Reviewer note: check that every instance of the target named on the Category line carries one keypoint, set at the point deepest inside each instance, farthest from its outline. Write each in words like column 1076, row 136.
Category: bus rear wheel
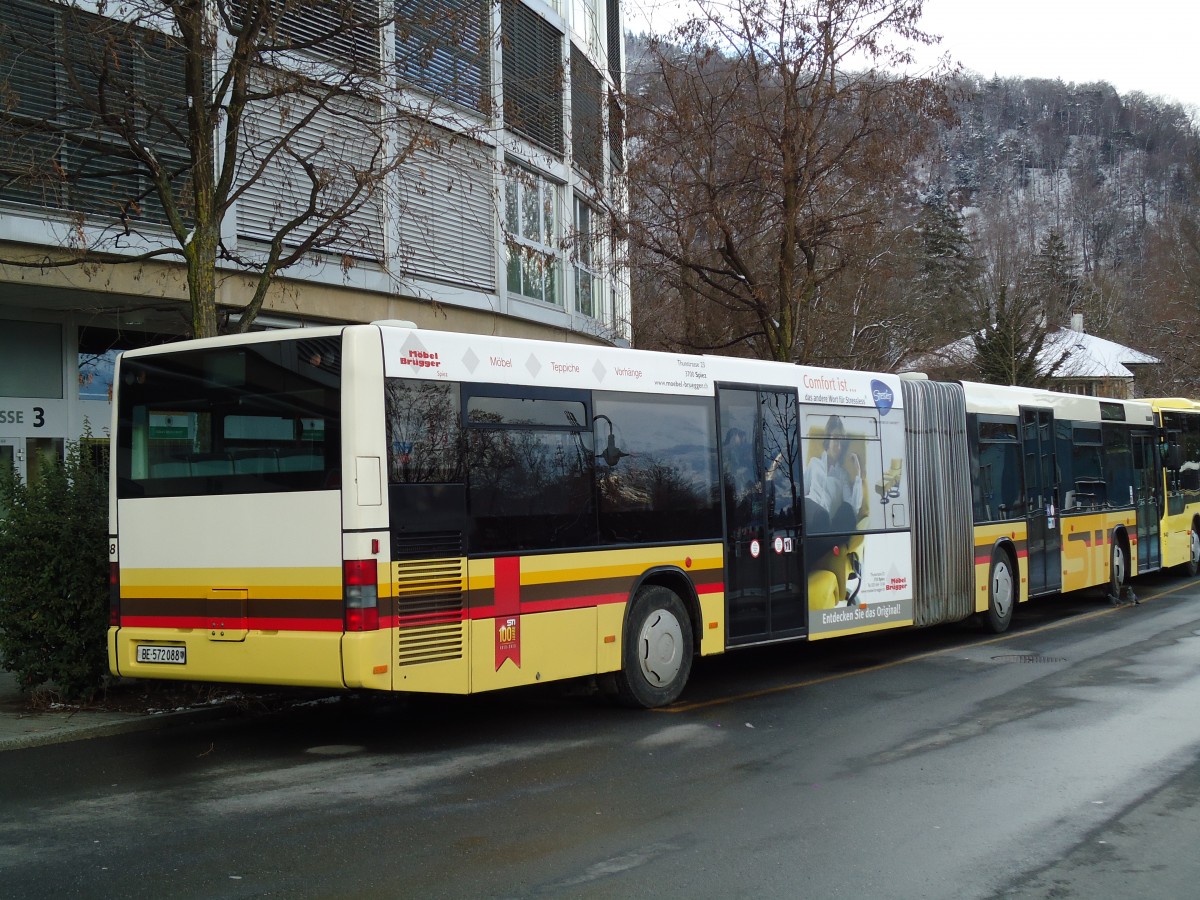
column 1002, row 594
column 656, row 658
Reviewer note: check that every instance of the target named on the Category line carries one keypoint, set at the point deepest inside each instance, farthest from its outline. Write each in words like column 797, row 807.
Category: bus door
column 1147, row 482
column 1042, row 525
column 760, row 477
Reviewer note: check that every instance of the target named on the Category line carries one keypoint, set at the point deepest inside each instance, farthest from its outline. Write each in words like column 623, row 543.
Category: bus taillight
column 114, row 593
column 360, row 583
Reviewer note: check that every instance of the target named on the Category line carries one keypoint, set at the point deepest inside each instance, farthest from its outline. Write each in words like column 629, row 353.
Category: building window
column 616, row 40
column 586, row 126
column 531, row 223
column 57, row 63
column 589, row 287
column 585, row 23
column 33, row 359
column 533, row 76
column 443, row 47
column 346, row 32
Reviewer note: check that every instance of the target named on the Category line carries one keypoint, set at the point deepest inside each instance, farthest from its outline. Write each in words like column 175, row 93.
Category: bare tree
column 143, row 128
column 768, row 134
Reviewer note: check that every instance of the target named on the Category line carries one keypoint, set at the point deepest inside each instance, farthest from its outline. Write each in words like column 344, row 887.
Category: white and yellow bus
column 391, row 508
column 1179, row 423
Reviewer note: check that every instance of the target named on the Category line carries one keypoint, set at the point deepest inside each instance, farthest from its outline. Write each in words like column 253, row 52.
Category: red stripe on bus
column 556, row 605
column 199, row 623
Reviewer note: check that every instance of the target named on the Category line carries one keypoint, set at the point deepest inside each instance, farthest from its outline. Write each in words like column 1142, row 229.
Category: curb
column 83, row 731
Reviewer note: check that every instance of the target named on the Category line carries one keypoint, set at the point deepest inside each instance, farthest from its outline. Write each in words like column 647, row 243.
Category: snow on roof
column 1087, row 356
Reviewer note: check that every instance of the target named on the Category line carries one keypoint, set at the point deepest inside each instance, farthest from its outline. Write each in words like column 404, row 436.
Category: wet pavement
column 22, row 726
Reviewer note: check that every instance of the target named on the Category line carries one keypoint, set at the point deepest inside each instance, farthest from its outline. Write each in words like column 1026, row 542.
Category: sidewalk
column 21, row 727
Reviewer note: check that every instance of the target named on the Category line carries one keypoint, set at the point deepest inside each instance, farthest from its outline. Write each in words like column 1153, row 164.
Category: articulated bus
column 391, row 508
column 1179, row 427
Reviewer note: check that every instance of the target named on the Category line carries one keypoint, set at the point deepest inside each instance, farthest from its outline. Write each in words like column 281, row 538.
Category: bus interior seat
column 172, row 468
column 211, row 464
column 255, row 462
column 302, row 461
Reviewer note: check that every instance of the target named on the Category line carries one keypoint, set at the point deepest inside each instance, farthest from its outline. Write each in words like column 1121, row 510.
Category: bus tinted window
column 424, row 432
column 1183, row 477
column 997, row 478
column 1086, row 487
column 1118, row 465
column 530, row 486
column 526, row 411
column 656, row 468
column 255, row 418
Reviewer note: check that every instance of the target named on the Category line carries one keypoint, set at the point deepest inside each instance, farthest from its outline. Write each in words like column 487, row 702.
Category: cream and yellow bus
column 390, row 508
column 1179, row 423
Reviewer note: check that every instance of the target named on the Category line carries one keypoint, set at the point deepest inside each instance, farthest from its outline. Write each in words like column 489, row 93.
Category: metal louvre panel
column 533, row 76
column 345, row 31
column 341, row 140
column 61, row 154
column 430, row 601
column 616, row 41
column 444, row 47
column 940, row 493
column 586, row 127
column 446, row 207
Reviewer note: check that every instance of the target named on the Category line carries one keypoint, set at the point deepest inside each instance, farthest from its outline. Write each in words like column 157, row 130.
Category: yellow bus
column 1179, row 425
column 1065, row 494
column 391, row 508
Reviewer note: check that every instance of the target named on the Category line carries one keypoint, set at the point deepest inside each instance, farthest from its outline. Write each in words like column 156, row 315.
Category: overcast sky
column 1145, row 45
column 1151, row 46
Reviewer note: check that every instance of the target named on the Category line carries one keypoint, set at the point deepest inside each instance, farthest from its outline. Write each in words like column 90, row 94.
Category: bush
column 54, row 576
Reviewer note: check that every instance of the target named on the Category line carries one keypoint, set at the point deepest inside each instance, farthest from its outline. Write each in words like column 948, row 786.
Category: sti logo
column 883, row 397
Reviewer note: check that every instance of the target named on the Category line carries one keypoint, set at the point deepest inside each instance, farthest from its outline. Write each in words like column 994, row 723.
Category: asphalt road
column 1061, row 760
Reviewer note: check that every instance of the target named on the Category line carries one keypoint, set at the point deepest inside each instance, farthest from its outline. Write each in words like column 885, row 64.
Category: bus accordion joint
column 361, row 591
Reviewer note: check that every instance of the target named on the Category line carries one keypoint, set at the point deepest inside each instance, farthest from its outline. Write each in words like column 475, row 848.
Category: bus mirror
column 612, row 453
column 1174, row 456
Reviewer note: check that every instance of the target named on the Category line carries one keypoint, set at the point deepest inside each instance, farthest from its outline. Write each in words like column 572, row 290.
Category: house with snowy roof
column 1077, row 362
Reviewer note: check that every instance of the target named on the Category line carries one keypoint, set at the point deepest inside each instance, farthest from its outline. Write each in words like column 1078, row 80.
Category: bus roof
column 1175, row 403
column 418, row 353
column 1004, row 400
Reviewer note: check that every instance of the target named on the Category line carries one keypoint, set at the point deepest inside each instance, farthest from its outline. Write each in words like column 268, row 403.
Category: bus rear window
column 248, row 419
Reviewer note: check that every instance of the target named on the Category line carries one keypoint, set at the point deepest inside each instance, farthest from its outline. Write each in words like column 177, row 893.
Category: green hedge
column 54, row 575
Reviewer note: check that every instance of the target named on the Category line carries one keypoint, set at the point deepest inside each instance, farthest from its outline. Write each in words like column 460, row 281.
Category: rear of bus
column 236, row 555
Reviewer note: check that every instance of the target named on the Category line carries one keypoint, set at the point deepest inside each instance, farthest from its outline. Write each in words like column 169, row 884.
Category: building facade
column 494, row 218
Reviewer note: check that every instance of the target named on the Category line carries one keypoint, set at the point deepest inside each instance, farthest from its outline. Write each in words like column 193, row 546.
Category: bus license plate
column 147, row 653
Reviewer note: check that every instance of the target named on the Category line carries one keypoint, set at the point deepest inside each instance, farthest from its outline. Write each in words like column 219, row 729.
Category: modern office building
column 496, row 222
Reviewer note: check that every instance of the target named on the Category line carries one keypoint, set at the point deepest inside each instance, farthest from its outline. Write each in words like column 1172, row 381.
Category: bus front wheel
column 1118, row 571
column 1002, row 594
column 1192, row 566
column 656, row 658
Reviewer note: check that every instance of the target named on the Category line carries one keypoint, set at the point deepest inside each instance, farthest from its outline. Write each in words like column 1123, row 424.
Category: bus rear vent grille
column 430, row 601
column 423, row 546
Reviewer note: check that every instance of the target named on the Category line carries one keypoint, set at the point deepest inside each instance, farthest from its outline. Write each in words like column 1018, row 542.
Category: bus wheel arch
column 1003, row 589
column 658, row 646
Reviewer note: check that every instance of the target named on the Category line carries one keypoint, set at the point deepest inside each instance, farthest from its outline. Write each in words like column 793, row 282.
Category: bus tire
column 656, row 658
column 1002, row 594
column 1118, row 570
column 1192, row 566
